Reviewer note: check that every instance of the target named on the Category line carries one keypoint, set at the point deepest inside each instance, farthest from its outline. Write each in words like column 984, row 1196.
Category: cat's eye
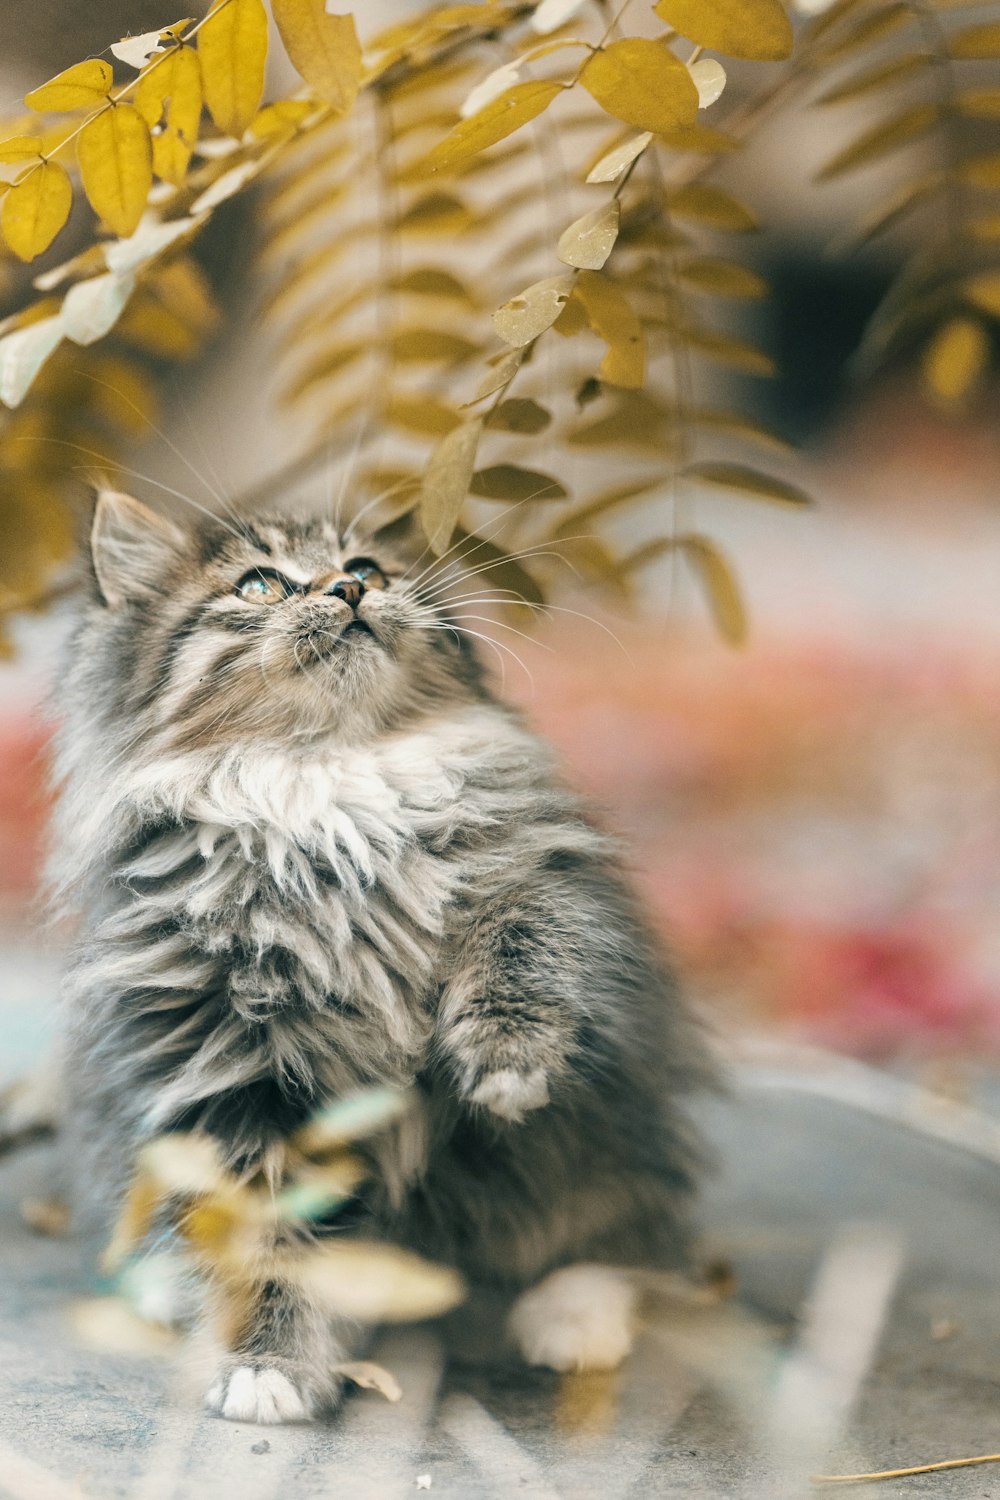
column 264, row 587
column 368, row 572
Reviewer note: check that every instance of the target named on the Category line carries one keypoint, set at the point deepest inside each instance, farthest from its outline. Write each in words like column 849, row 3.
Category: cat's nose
column 349, row 589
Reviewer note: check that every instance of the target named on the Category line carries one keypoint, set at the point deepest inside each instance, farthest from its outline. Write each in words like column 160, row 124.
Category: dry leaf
column 22, row 354
column 643, row 83
column 519, row 414
column 589, row 241
column 613, row 163
column 709, row 79
column 92, row 308
column 116, row 165
column 446, row 482
column 549, row 15
column 137, row 50
column 371, row 1377
column 525, row 316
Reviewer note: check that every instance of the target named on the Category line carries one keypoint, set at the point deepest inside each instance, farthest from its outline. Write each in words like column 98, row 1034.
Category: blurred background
column 812, row 817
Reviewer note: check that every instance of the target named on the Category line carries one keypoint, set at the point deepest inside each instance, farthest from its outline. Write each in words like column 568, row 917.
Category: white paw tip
column 580, row 1318
column 510, row 1094
column 264, row 1396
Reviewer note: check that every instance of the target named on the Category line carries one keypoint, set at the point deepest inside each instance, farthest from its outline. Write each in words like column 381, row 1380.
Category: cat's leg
column 582, row 1317
column 281, row 1360
column 506, row 1023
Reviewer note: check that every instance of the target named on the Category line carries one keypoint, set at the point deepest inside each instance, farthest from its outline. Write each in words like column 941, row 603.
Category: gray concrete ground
column 897, row 1328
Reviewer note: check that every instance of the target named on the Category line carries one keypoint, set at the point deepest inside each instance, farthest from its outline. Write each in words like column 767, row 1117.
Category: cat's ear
column 131, row 548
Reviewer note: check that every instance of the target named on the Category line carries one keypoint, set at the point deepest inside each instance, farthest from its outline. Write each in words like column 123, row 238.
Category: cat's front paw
column 258, row 1393
column 511, row 1095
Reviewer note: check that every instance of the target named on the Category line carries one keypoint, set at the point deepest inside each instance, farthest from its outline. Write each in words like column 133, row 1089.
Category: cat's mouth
column 325, row 644
column 357, row 627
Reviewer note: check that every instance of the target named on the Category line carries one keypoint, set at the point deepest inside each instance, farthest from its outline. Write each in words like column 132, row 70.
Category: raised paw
column 580, row 1318
column 258, row 1393
column 510, row 1094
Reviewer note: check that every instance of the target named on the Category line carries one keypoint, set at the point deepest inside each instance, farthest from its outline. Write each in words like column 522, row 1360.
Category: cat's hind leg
column 582, row 1317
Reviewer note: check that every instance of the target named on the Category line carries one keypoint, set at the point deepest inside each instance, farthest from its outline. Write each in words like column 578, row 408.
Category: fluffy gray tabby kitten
column 311, row 852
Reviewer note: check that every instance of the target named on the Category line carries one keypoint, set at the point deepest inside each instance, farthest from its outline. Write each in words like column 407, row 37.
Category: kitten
column 310, row 852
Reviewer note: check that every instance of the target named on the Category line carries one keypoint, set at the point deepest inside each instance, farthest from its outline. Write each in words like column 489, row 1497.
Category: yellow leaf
column 635, row 421
column 698, row 137
column 282, row 117
column 519, row 414
column 433, row 281
column 116, row 166
column 505, row 572
column 20, row 148
column 422, row 344
column 421, row 414
column 713, row 206
column 589, row 241
column 611, row 164
column 954, row 361
column 498, row 120
column 756, row 29
column 976, row 42
column 232, row 45
column 728, row 350
column 324, row 367
column 324, row 49
column 984, row 291
column 641, row 82
column 723, row 278
column 148, row 325
column 436, row 213
column 610, row 315
column 987, row 227
column 502, row 369
column 79, row 87
column 170, row 92
column 864, row 33
column 747, row 482
column 980, row 104
column 896, row 70
column 446, row 482
column 906, row 126
column 720, row 585
column 525, row 316
column 734, row 423
column 509, row 482
column 599, row 505
column 371, row 1281
column 36, row 208
column 982, row 171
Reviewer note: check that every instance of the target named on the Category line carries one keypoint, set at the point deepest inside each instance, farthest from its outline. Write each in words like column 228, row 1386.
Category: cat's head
column 273, row 627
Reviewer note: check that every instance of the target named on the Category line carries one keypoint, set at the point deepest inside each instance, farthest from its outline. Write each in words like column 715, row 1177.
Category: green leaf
column 755, row 29
column 747, row 482
column 498, row 120
column 642, row 83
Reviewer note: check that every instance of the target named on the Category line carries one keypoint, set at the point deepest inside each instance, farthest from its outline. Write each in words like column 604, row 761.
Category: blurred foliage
column 442, row 157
